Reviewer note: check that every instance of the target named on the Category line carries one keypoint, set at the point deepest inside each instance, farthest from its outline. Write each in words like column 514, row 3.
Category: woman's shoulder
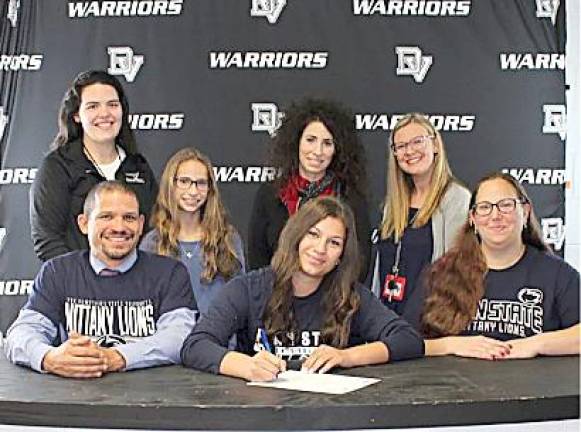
column 545, row 261
column 149, row 241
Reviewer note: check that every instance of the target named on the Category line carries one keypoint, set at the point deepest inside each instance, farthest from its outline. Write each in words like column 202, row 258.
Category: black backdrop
column 217, row 74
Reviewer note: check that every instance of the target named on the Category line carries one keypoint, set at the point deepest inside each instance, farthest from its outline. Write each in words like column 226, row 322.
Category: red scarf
column 289, row 194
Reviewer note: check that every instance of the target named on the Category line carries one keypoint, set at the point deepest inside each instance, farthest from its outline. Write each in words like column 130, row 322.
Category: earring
column 337, row 263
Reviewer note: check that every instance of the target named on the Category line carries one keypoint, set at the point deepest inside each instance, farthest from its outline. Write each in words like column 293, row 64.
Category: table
column 432, row 391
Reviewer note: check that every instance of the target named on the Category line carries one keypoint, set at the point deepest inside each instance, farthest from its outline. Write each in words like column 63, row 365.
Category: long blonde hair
column 341, row 300
column 400, row 185
column 218, row 251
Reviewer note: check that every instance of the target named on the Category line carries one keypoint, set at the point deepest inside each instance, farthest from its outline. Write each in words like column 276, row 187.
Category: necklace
column 188, row 253
column 94, row 162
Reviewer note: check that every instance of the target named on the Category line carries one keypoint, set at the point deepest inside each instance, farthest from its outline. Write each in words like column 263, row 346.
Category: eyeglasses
column 415, row 144
column 186, row 183
column 504, row 206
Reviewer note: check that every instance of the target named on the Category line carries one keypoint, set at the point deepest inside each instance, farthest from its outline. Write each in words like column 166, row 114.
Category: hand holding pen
column 266, row 366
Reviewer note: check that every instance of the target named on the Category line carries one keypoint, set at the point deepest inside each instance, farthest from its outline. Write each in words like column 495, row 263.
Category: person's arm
column 552, row 343
column 206, row 346
column 29, row 338
column 263, row 366
column 29, row 343
column 377, row 323
column 239, row 250
column 468, row 346
column 49, row 209
column 325, row 357
column 455, row 215
column 259, row 252
column 163, row 347
column 150, row 195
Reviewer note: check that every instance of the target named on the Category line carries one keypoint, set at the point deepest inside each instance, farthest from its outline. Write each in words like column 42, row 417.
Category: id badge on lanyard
column 394, row 284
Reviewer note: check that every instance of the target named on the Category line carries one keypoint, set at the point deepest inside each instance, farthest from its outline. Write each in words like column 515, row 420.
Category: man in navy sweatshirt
column 110, row 308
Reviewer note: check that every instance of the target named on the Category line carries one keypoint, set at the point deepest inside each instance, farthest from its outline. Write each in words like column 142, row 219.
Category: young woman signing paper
column 307, row 306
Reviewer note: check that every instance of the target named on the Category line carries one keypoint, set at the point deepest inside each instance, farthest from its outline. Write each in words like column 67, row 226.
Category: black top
column 269, row 215
column 437, row 391
column 58, row 193
column 415, row 255
column 238, row 309
column 539, row 293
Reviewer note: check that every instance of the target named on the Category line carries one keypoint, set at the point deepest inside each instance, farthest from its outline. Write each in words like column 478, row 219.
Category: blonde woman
column 189, row 222
column 424, row 208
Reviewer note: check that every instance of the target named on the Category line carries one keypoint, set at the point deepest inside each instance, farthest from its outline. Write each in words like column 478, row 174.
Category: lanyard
column 395, row 268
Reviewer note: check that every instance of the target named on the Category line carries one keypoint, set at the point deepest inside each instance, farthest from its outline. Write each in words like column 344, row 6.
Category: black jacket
column 59, row 191
column 269, row 215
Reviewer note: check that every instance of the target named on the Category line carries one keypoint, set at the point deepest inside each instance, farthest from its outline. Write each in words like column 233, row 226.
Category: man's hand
column 115, row 361
column 78, row 357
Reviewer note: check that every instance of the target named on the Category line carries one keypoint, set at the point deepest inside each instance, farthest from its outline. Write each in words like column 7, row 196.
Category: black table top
column 432, row 391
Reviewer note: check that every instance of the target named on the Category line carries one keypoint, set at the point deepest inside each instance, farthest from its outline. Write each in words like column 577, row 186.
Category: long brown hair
column 218, row 251
column 400, row 185
column 341, row 300
column 455, row 282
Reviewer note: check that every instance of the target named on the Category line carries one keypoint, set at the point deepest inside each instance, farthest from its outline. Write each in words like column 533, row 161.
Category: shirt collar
column 124, row 267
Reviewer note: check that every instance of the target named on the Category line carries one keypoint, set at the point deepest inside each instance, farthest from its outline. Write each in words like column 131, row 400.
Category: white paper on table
column 317, row 383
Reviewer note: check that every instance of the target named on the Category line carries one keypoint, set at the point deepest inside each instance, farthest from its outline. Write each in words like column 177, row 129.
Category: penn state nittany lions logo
column 122, row 61
column 410, row 61
column 270, row 9
column 530, row 296
column 110, row 341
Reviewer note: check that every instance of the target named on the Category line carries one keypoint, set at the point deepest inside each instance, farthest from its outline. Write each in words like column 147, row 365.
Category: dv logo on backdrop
column 555, row 120
column 537, row 176
column 269, row 9
column 553, row 232
column 548, row 9
column 85, row 9
column 410, row 61
column 541, row 61
column 12, row 14
column 122, row 61
column 266, row 117
column 412, row 7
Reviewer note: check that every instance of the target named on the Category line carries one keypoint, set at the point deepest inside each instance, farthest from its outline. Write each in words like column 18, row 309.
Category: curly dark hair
column 349, row 158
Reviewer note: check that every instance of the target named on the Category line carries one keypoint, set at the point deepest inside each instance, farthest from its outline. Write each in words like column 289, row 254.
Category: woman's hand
column 264, row 366
column 324, row 358
column 477, row 347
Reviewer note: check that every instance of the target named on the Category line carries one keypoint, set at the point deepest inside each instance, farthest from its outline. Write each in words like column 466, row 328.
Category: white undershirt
column 108, row 170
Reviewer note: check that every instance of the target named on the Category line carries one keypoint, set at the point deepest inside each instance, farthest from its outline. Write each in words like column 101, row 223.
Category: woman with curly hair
column 424, row 208
column 189, row 222
column 94, row 143
column 500, row 293
column 318, row 153
column 306, row 308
